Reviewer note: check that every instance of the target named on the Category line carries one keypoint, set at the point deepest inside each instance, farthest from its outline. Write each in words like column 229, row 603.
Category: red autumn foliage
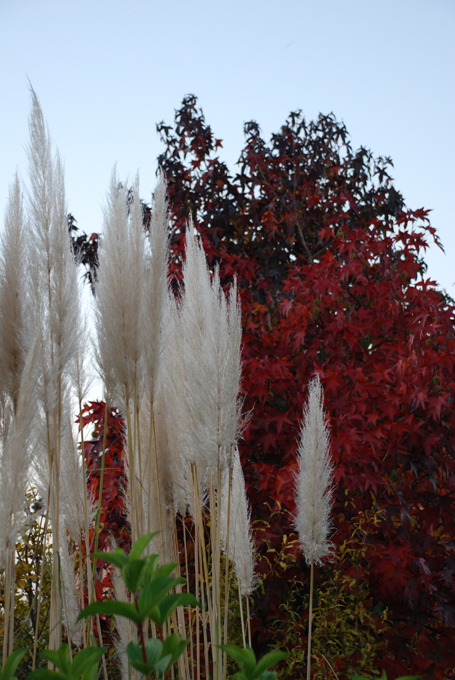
column 330, row 272
column 113, row 523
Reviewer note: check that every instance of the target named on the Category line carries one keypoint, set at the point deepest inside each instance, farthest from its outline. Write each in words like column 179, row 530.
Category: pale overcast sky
column 107, row 71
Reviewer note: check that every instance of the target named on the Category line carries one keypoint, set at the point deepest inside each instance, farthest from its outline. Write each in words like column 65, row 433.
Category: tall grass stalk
column 53, row 318
column 314, row 489
column 15, row 411
column 82, row 379
column 203, row 369
column 236, row 536
column 119, row 307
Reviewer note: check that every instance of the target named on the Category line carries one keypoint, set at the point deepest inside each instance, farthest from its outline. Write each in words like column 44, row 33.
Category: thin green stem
column 310, row 622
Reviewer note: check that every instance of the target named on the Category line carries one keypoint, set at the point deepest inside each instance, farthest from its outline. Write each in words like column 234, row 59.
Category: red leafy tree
column 329, row 266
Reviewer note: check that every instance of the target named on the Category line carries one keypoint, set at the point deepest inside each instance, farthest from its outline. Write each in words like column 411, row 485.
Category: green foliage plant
column 250, row 668
column 149, row 586
column 151, row 601
column 83, row 666
column 12, row 662
column 349, row 626
column 33, row 557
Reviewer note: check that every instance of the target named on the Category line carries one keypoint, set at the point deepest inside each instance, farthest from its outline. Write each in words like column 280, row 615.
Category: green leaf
column 59, row 657
column 154, row 650
column 160, row 655
column 85, row 659
column 167, row 569
column 244, row 658
column 118, row 557
column 174, row 646
column 164, row 609
column 162, row 665
column 11, row 664
column 139, row 665
column 139, row 546
column 91, row 672
column 112, row 607
column 134, row 653
column 47, row 674
column 150, row 563
column 249, row 668
column 154, row 592
column 269, row 659
column 168, row 604
column 132, row 572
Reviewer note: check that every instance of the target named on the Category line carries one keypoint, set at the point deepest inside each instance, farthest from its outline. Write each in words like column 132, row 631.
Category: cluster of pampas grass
column 16, row 406
column 53, row 316
column 172, row 364
column 40, row 341
column 182, row 405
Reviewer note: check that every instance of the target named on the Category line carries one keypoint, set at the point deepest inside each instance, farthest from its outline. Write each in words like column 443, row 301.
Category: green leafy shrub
column 347, row 625
column 250, row 668
column 33, row 571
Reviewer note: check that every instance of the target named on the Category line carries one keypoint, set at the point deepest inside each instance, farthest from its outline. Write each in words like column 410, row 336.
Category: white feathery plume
column 11, row 297
column 15, row 458
column 52, row 314
column 157, row 490
column 12, row 500
column 240, row 546
column 314, row 490
column 40, row 474
column 155, row 286
column 80, row 375
column 119, row 294
column 72, row 495
column 212, row 337
column 168, row 446
column 171, row 408
column 119, row 315
column 17, row 403
column 71, row 600
column 52, row 309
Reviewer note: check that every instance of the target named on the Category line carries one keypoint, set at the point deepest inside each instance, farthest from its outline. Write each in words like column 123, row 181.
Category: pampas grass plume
column 11, row 295
column 119, row 293
column 314, row 491
column 156, row 286
column 239, row 545
column 211, row 327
